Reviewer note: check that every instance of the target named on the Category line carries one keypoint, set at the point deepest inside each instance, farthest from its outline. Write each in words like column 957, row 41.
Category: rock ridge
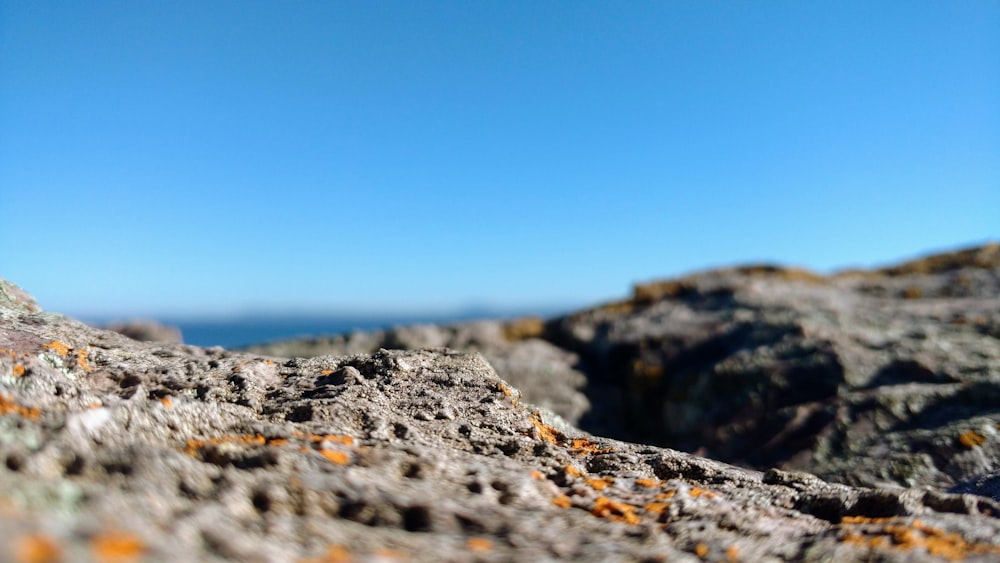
column 119, row 450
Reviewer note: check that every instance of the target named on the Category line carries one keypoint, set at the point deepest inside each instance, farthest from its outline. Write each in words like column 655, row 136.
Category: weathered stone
column 114, row 449
column 884, row 378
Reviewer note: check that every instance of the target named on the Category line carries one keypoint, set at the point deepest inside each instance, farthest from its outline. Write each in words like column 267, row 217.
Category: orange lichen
column 666, row 495
column 971, row 439
column 701, row 550
column 583, row 446
column 479, row 544
column 504, row 389
column 899, row 535
column 37, row 548
column 8, row 406
column 326, row 372
column 545, row 432
column 656, row 507
column 648, row 483
column 167, row 402
column 562, row 501
column 316, row 438
column 81, row 360
column 537, row 475
column 732, row 554
column 58, row 347
column 600, row 483
column 194, row 445
column 696, row 492
column 17, row 370
column 340, row 458
column 389, row 553
column 334, row 554
column 117, row 547
column 614, row 510
column 572, row 471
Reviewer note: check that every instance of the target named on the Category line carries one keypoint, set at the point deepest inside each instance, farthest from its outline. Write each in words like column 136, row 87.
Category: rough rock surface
column 543, row 372
column 877, row 378
column 890, row 377
column 118, row 450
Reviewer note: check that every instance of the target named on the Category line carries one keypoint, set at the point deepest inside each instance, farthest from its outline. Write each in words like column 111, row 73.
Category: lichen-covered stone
column 113, row 449
column 884, row 378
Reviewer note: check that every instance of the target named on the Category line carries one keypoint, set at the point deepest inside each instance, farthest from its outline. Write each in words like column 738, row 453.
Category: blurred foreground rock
column 118, row 450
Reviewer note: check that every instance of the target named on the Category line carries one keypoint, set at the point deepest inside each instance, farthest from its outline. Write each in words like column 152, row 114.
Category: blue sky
column 205, row 158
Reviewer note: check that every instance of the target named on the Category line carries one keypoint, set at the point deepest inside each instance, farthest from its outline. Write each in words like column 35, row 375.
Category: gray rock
column 544, row 373
column 114, row 449
column 884, row 378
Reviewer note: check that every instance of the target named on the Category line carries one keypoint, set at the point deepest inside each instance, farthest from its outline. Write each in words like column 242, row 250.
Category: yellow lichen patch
column 326, row 372
column 614, row 510
column 81, row 360
column 8, row 406
column 340, row 458
column 167, row 402
column 648, row 483
column 17, row 370
column 545, row 432
column 562, row 501
column 656, row 507
column 479, row 544
column 537, row 475
column 899, row 535
column 346, row 440
column 701, row 550
column 971, row 439
column 37, row 548
column 600, row 483
column 58, row 347
column 117, row 547
column 584, row 446
column 317, row 438
column 732, row 554
column 666, row 495
column 572, row 471
column 696, row 492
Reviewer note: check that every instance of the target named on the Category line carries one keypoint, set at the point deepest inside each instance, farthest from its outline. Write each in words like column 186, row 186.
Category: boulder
column 888, row 377
column 119, row 450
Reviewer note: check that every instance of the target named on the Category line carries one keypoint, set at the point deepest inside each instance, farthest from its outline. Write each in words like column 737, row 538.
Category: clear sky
column 201, row 158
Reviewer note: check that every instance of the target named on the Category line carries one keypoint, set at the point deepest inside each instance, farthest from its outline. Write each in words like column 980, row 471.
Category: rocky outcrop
column 544, row 373
column 889, row 377
column 118, row 450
